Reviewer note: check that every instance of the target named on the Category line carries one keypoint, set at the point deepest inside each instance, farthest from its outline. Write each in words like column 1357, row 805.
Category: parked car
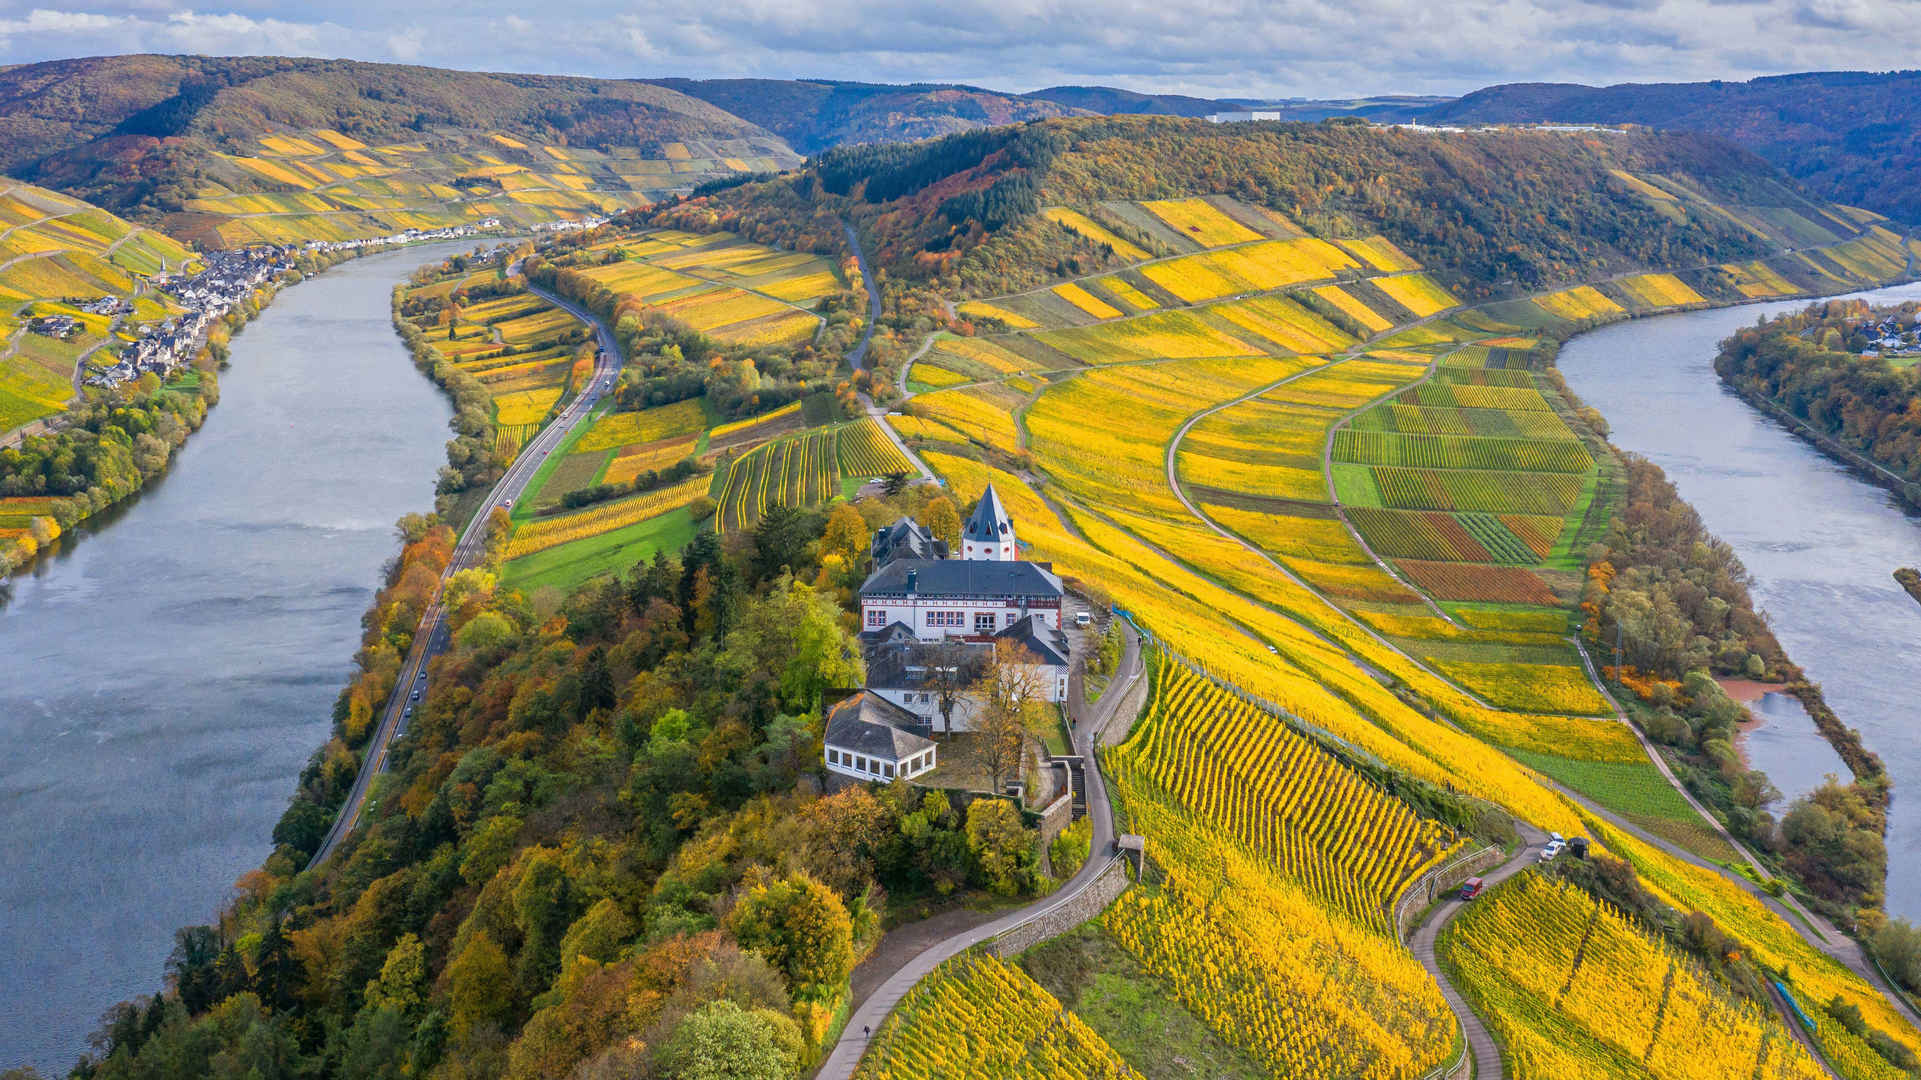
column 1471, row 888
column 1552, row 849
column 1082, row 618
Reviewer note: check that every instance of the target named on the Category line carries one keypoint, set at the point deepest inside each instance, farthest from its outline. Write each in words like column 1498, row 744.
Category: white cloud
column 1214, row 47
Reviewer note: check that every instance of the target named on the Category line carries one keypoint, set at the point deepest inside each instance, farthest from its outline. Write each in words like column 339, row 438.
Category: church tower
column 989, row 532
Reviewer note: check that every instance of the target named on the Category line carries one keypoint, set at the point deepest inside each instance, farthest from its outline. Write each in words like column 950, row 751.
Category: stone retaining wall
column 1091, row 901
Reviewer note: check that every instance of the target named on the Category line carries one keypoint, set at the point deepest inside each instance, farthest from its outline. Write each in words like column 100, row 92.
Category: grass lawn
column 614, row 552
column 1136, row 1013
column 1638, row 792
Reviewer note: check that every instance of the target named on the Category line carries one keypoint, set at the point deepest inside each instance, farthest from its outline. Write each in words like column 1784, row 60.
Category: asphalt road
column 433, row 637
column 1122, row 698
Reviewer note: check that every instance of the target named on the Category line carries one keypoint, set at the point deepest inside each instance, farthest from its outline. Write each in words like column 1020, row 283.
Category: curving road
column 431, row 639
column 1090, row 724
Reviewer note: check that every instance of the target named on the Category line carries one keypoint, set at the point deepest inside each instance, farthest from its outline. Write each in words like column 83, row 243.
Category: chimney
column 913, row 578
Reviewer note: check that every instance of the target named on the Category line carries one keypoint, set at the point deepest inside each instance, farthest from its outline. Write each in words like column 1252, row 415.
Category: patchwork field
column 734, row 291
column 526, row 353
column 322, row 185
column 1365, row 567
column 55, row 250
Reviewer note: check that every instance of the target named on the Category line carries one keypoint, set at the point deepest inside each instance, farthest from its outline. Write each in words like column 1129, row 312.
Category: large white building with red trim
column 988, row 589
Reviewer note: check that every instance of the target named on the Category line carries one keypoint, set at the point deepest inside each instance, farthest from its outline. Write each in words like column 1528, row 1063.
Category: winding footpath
column 1091, row 725
column 432, row 637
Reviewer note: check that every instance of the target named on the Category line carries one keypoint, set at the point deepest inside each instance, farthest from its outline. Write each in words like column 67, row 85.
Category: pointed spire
column 990, row 523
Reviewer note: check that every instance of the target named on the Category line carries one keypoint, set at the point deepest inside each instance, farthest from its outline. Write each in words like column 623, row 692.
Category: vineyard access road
column 432, row 638
column 1122, row 699
column 1480, row 1041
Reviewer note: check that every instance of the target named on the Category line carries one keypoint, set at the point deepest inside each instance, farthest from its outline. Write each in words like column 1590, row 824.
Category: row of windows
column 985, row 622
column 913, row 766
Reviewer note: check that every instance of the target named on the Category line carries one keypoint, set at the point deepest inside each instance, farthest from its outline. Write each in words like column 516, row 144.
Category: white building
column 988, row 589
column 909, row 673
column 867, row 738
column 989, row 532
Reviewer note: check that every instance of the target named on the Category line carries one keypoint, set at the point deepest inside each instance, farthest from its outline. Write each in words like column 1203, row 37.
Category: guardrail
column 1423, row 890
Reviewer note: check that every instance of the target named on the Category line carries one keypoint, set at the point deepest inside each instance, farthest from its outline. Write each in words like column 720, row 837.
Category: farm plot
column 796, row 472
column 548, row 532
column 865, row 450
column 1171, row 335
column 1577, row 988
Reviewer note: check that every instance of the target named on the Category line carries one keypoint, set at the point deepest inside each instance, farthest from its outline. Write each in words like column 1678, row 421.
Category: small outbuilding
column 871, row 738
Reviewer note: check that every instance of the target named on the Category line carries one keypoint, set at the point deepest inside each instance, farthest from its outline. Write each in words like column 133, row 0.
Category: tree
column 479, row 985
column 947, row 678
column 943, row 521
column 893, row 483
column 1003, row 848
column 845, row 535
column 722, row 1041
column 1010, row 690
column 801, row 927
column 781, row 542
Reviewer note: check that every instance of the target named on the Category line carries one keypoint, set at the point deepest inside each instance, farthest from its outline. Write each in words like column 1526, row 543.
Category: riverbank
column 42, row 527
column 1818, row 547
column 165, row 681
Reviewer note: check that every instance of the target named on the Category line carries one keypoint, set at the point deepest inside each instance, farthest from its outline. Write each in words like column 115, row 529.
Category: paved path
column 431, row 639
column 1480, row 1041
column 857, row 357
column 1089, row 723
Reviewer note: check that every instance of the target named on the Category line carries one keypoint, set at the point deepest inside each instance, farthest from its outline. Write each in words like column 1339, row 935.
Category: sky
column 1241, row 48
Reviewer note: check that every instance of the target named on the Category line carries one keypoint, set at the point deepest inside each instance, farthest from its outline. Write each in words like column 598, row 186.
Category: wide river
column 1820, row 542
column 163, row 681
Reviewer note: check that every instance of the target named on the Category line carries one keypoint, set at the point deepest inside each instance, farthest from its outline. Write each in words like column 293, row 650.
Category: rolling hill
column 233, row 151
column 55, row 250
column 1850, row 136
column 816, row 114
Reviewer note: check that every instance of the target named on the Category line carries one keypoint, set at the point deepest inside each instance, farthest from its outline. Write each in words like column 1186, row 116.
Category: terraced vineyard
column 54, row 251
column 1404, row 502
column 524, row 351
column 737, row 292
column 321, row 184
column 1574, row 988
column 976, row 1016
column 1283, row 797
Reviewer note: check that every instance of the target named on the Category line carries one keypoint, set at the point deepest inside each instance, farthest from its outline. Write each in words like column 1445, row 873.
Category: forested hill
column 813, row 115
column 1505, row 212
column 1850, row 136
column 139, row 133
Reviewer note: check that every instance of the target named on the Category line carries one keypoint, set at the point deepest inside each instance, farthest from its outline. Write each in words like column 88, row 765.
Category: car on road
column 416, row 696
column 1082, row 618
column 1471, row 888
column 408, row 714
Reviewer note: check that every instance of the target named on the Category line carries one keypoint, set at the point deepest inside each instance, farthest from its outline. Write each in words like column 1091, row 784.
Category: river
column 1819, row 541
column 164, row 679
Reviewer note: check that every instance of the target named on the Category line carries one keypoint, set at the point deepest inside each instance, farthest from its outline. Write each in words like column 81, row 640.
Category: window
column 833, row 756
column 887, row 770
column 947, row 618
column 1012, row 618
column 983, row 622
column 877, row 617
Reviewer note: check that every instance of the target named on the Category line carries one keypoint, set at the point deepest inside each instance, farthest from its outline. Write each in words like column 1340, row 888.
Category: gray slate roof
column 905, row 539
column 990, row 523
column 963, row 577
column 1046, row 643
column 869, row 724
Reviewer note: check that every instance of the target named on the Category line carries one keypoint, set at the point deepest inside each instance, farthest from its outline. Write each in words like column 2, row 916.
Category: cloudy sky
column 1209, row 47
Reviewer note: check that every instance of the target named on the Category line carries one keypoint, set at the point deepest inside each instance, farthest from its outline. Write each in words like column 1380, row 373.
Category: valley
column 1317, row 444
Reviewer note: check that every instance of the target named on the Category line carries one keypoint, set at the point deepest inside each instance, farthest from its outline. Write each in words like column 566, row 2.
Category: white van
column 1082, row 618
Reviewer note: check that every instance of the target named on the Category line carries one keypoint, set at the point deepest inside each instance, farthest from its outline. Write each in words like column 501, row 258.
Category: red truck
column 1471, row 888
